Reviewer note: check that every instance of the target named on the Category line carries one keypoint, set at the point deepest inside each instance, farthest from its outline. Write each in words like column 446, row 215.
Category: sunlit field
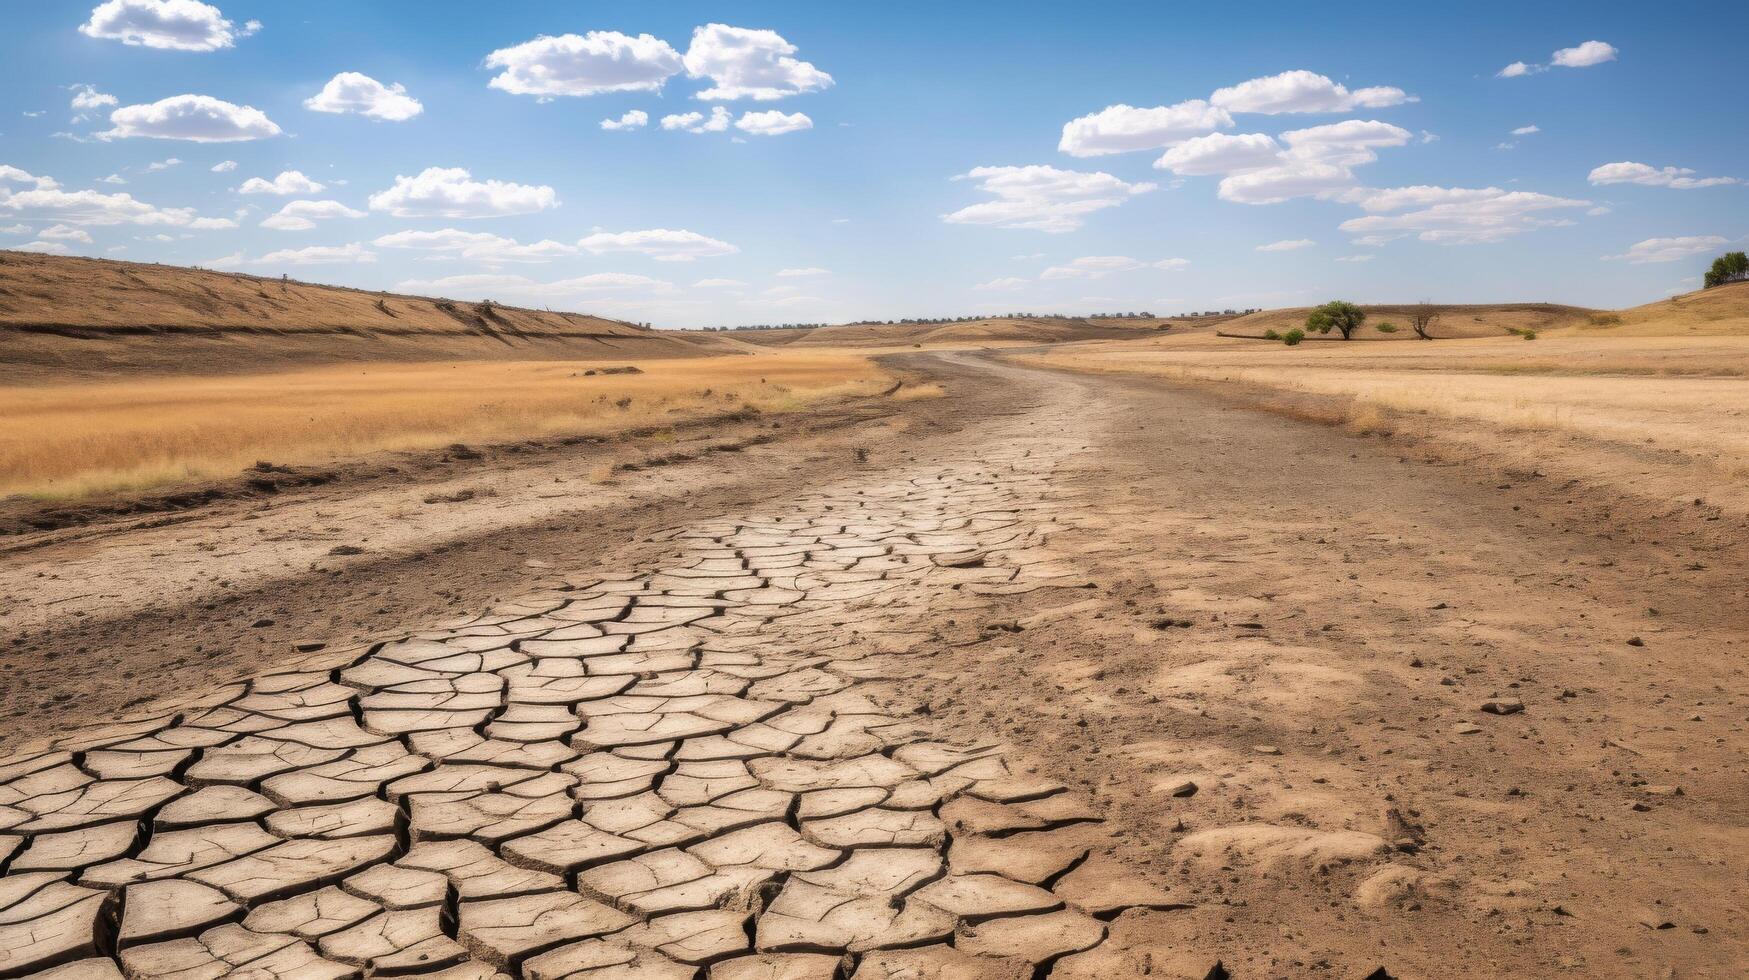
column 73, row 440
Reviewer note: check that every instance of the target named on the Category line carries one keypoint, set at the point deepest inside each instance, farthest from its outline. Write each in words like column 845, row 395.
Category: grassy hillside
column 994, row 330
column 62, row 317
column 1719, row 312
column 1455, row 320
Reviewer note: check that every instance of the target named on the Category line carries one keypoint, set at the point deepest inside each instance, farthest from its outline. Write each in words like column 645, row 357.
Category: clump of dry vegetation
column 71, row 440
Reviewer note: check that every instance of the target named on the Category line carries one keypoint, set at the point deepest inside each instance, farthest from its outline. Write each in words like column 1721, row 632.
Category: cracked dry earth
column 700, row 768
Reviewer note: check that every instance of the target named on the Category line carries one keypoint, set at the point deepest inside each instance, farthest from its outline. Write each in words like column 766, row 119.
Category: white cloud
column 1092, row 267
column 1220, row 153
column 476, row 246
column 1287, row 245
column 812, row 270
column 18, row 229
column 87, row 101
column 1584, row 55
column 317, row 255
column 1042, row 198
column 197, row 118
column 47, row 248
column 1366, row 257
column 1453, row 216
column 1670, row 249
column 354, row 93
column 661, row 244
column 718, row 284
column 158, row 165
column 1003, row 284
column 1318, row 161
column 179, row 25
column 1173, row 265
column 1303, row 91
column 600, row 61
column 599, row 286
column 112, row 179
column 1123, row 128
column 1527, row 130
column 772, row 123
column 1678, row 178
column 749, row 64
column 13, row 175
column 451, row 192
column 65, row 233
column 303, row 215
column 635, row 119
column 88, row 207
column 1579, row 56
column 288, row 182
column 695, row 122
column 224, row 166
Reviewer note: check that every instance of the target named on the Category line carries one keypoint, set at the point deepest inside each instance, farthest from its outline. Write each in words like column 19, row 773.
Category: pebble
column 1265, row 750
column 1503, row 706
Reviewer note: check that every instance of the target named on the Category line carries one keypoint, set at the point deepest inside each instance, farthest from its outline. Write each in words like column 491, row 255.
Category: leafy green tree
column 1729, row 267
column 1337, row 315
column 1293, row 337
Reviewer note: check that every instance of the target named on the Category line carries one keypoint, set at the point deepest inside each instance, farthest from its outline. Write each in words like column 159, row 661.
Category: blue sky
column 827, row 162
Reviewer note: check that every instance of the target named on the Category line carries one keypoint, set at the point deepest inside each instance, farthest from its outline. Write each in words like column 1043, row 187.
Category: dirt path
column 1072, row 677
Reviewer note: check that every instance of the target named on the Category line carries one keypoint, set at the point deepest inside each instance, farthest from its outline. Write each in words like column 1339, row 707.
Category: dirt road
column 1057, row 676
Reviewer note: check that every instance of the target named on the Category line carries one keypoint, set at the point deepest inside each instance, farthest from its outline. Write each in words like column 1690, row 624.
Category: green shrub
column 1293, row 337
column 1527, row 334
column 1386, row 327
column 1337, row 315
column 1271, row 335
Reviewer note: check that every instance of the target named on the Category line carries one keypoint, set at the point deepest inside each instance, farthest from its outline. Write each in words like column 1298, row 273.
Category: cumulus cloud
column 288, row 182
column 358, row 94
column 772, row 123
column 1319, row 160
column 1669, row 249
column 749, row 64
column 65, row 233
column 197, row 118
column 1303, row 91
column 1579, row 56
column 718, row 284
column 806, row 271
column 13, row 175
column 451, row 192
column 1584, row 55
column 1092, row 267
column 1527, row 130
column 597, row 62
column 635, row 119
column 1221, row 153
column 47, row 248
column 1003, row 284
column 476, row 246
column 87, row 101
column 224, row 166
column 48, row 202
column 1123, row 128
column 1679, row 178
column 696, row 122
column 317, row 255
column 1042, row 198
column 157, row 165
column 177, row 25
column 303, row 215
column 112, row 179
column 661, row 244
column 598, row 286
column 1287, row 245
column 1365, row 257
column 1453, row 215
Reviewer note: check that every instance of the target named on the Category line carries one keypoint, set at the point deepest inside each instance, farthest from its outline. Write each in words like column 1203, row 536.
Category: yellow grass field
column 72, row 440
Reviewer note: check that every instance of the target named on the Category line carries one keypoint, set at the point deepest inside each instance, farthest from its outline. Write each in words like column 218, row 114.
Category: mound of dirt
column 76, row 317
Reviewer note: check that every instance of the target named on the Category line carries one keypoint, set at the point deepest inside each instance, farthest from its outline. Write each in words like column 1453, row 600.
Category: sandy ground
column 1265, row 666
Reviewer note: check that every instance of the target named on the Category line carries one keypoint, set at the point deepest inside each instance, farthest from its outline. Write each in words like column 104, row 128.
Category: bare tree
column 1422, row 316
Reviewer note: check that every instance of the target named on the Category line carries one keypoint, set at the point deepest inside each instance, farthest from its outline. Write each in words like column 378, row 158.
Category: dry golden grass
column 1688, row 393
column 71, row 440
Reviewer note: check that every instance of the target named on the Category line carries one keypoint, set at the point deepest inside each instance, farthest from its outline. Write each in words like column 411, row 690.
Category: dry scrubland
column 1669, row 375
column 69, row 440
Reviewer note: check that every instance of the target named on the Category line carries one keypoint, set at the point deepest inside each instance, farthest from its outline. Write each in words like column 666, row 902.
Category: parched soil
column 1142, row 679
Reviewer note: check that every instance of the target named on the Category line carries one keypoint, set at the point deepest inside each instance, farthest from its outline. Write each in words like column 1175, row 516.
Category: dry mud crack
column 699, row 768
